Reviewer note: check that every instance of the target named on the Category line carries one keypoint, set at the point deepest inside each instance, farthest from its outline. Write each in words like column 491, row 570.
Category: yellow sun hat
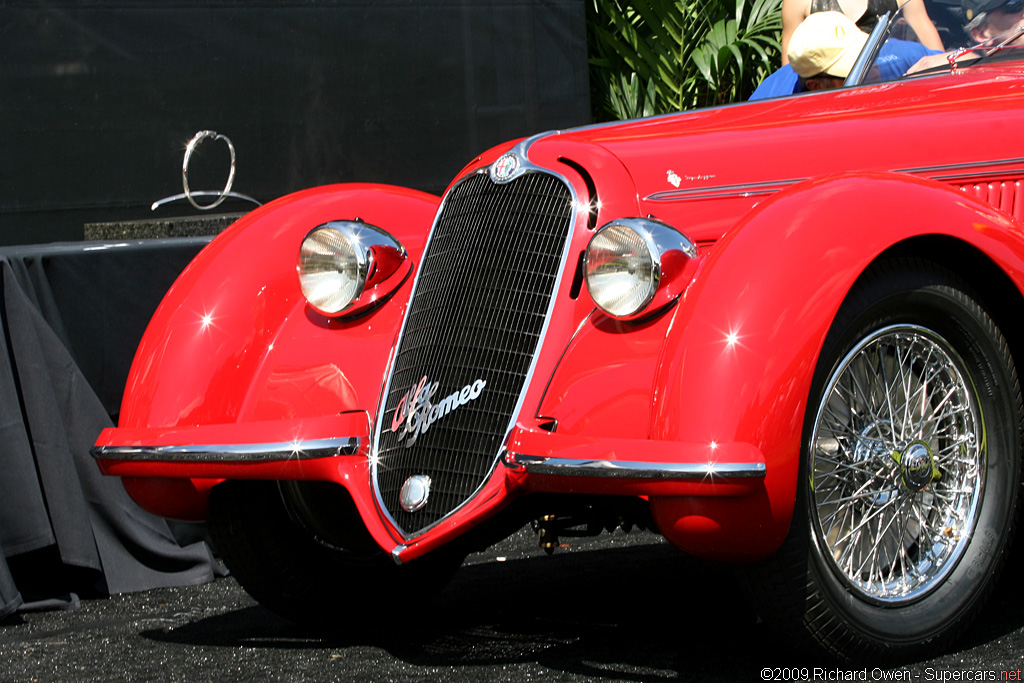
column 825, row 43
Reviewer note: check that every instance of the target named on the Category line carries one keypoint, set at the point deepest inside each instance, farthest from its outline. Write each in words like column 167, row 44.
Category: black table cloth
column 71, row 316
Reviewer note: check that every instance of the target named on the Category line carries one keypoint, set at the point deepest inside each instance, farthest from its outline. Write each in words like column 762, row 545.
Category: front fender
column 234, row 341
column 753, row 322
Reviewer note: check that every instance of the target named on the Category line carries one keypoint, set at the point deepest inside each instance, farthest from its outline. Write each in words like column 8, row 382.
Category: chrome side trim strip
column 261, row 452
column 625, row 469
column 955, row 171
column 723, row 191
column 944, row 172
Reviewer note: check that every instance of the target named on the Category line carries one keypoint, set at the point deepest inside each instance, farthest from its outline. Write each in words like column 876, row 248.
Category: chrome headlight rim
column 377, row 262
column 644, row 286
column 661, row 241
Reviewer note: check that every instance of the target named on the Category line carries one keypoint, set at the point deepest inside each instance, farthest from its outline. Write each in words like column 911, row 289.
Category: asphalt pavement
column 621, row 607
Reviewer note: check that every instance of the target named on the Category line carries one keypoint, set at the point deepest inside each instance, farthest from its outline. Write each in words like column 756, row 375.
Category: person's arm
column 917, row 17
column 794, row 12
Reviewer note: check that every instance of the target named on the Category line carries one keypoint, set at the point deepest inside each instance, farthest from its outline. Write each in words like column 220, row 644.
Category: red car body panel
column 789, row 202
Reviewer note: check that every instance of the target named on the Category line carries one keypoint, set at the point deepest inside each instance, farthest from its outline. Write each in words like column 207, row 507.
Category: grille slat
column 483, row 292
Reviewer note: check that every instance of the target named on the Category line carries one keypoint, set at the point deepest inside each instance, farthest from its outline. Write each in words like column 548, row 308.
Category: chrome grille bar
column 472, row 330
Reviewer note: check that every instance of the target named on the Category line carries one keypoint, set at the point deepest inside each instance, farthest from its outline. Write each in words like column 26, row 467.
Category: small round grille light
column 622, row 273
column 332, row 269
column 415, row 492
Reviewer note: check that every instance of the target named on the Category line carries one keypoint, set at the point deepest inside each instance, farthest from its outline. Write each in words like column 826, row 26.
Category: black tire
column 910, row 465
column 301, row 551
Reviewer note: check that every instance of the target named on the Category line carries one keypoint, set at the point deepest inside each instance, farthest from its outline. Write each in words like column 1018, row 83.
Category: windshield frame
column 869, row 53
column 969, row 54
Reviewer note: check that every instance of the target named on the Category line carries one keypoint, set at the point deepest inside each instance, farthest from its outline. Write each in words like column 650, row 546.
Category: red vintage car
column 781, row 333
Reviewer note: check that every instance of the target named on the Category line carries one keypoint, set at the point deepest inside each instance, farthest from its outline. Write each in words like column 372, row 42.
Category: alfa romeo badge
column 504, row 169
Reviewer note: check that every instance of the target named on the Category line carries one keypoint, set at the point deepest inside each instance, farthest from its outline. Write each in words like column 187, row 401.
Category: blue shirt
column 895, row 57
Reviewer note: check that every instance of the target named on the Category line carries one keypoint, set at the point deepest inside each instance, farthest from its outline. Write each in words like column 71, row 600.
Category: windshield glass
column 836, row 46
column 969, row 30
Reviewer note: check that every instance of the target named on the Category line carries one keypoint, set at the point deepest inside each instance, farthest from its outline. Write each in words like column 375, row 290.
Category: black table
column 71, row 317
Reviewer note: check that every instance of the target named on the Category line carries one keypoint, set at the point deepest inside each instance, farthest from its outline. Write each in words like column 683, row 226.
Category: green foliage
column 658, row 56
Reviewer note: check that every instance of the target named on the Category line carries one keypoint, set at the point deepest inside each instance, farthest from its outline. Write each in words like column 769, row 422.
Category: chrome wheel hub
column 917, row 466
column 896, row 468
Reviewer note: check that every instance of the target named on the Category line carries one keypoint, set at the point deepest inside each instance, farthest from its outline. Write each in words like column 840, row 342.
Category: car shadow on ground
column 644, row 612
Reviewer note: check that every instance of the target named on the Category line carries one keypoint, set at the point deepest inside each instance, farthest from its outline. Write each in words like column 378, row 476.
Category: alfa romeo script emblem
column 504, row 169
column 416, row 410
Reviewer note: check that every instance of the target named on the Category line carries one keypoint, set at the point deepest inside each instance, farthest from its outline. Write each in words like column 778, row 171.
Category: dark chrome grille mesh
column 483, row 292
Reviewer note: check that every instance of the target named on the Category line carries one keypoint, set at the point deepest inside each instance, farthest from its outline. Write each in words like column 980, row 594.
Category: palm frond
column 656, row 56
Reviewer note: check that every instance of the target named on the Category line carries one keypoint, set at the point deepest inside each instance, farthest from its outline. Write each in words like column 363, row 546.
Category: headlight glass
column 331, row 269
column 621, row 272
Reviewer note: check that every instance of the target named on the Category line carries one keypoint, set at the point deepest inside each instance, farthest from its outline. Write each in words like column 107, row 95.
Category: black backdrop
column 97, row 101
column 99, row 97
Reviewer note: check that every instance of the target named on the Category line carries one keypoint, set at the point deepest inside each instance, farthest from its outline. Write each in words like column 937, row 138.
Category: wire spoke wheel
column 897, row 464
column 910, row 465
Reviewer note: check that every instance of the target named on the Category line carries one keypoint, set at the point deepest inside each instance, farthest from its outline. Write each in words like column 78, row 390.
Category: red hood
column 912, row 125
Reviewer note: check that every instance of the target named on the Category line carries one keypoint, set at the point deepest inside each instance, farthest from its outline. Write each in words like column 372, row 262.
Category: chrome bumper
column 625, row 469
column 264, row 452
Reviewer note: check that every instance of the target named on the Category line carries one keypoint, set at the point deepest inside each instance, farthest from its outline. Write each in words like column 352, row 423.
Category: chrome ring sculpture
column 191, row 194
column 189, row 149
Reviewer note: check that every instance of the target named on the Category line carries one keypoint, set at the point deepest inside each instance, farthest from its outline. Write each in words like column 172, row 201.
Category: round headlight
column 332, row 268
column 622, row 273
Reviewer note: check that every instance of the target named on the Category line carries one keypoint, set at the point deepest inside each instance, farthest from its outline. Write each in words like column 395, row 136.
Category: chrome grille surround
column 476, row 320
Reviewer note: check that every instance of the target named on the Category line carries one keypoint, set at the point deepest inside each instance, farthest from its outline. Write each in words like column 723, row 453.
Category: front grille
column 472, row 328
